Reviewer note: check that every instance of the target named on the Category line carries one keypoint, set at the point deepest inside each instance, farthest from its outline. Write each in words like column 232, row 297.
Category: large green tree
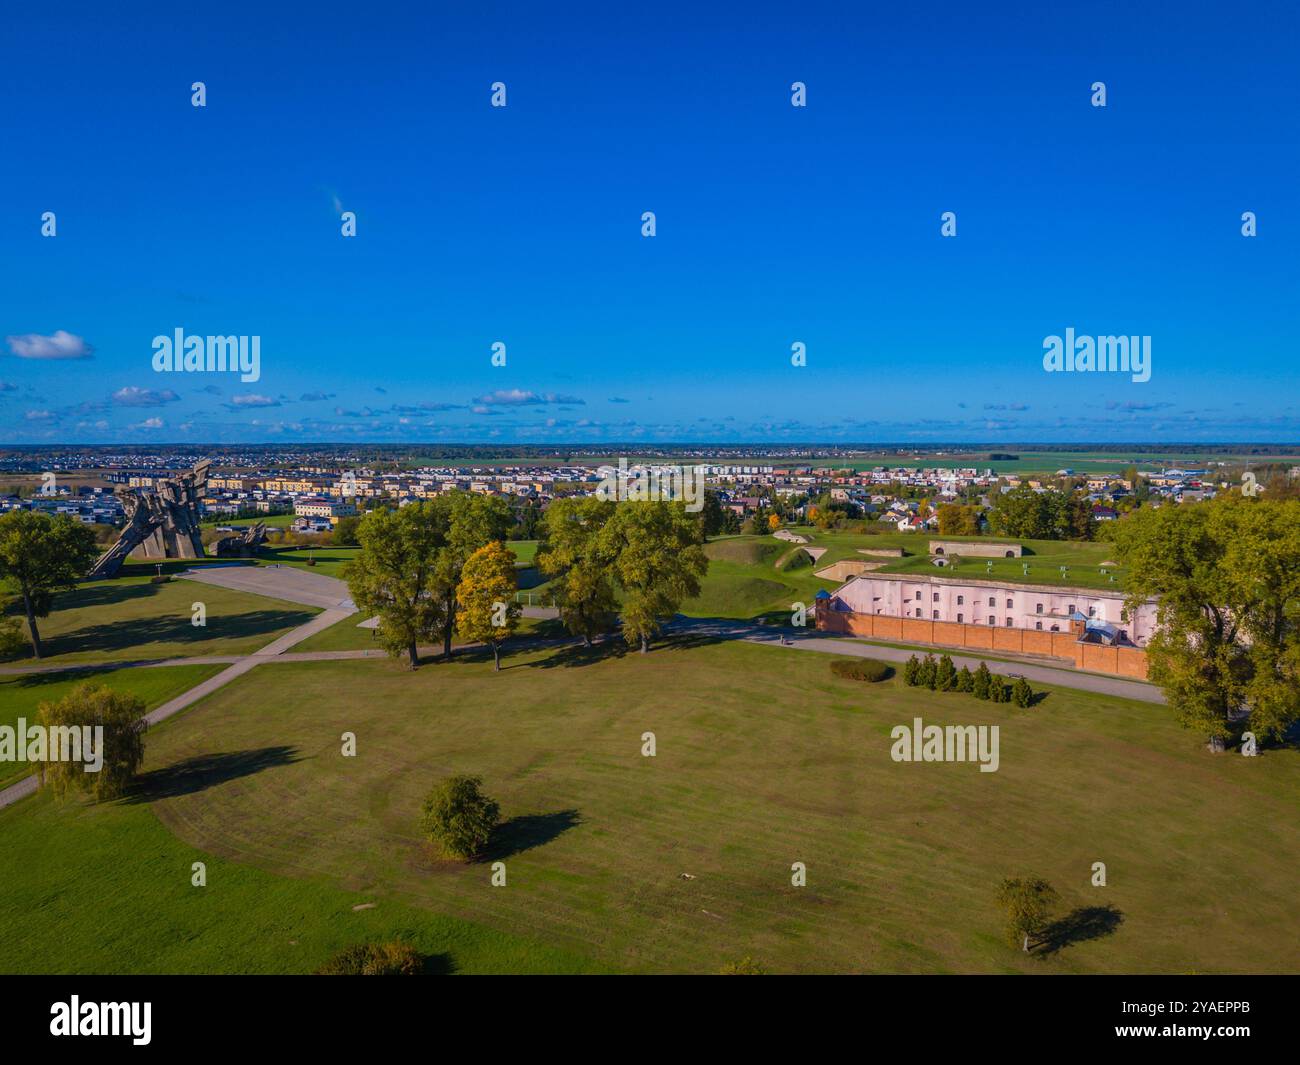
column 1227, row 577
column 40, row 556
column 474, row 520
column 121, row 719
column 396, row 575
column 582, row 578
column 657, row 561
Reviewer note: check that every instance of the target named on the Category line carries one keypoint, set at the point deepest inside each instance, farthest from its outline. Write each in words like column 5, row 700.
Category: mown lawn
column 682, row 862
column 22, row 694
column 347, row 635
column 107, row 889
column 130, row 618
column 328, row 560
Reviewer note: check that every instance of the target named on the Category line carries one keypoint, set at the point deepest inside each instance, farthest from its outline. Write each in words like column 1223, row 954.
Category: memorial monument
column 163, row 521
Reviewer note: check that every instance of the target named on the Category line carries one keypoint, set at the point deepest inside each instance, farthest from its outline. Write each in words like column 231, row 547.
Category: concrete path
column 276, row 582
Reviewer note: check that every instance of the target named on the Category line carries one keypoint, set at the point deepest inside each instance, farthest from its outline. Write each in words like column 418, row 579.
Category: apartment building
column 318, row 507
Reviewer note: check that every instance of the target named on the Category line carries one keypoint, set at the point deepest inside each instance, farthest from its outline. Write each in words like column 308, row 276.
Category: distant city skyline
column 775, row 225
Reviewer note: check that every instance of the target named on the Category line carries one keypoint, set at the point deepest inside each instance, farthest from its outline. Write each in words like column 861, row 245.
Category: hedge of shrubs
column 374, row 959
column 868, row 669
column 942, row 676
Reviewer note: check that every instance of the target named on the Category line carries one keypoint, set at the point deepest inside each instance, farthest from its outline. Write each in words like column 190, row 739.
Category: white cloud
column 149, row 423
column 518, row 397
column 130, row 396
column 251, row 399
column 59, row 345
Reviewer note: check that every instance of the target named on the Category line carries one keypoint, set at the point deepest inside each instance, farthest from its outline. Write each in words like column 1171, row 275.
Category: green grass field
column 764, row 759
column 132, row 619
column 331, row 560
column 328, row 560
column 118, row 884
column 347, row 635
column 271, row 521
column 22, row 694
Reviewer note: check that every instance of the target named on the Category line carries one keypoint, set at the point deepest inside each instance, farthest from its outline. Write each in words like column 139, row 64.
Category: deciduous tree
column 582, row 577
column 1028, row 901
column 121, row 717
column 459, row 818
column 40, row 556
column 1226, row 650
column 657, row 561
column 396, row 575
column 485, row 606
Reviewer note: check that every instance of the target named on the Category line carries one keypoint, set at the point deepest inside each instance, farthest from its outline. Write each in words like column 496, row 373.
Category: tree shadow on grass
column 56, row 676
column 579, row 654
column 1078, row 926
column 436, row 965
column 521, row 834
column 1037, row 698
column 206, row 771
column 178, row 628
column 103, row 593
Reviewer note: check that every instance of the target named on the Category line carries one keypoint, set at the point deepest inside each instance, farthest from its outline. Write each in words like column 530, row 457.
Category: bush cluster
column 374, row 959
column 868, row 669
column 941, row 675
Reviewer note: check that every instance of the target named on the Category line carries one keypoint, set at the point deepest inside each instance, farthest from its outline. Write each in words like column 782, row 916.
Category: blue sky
column 775, row 224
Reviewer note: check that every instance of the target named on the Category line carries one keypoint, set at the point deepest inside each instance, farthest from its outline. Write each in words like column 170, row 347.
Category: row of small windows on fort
column 1010, row 622
column 1038, row 607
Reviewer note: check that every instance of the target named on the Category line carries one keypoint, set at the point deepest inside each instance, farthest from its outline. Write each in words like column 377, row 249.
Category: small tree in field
column 998, row 688
column 485, row 606
column 965, row 680
column 122, row 719
column 1021, row 693
column 459, row 818
column 1028, row 902
column 982, row 682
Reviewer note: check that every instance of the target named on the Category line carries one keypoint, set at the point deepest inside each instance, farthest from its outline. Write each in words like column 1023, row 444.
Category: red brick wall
column 1122, row 661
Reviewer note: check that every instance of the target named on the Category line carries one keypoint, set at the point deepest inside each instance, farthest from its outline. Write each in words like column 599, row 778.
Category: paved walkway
column 276, row 582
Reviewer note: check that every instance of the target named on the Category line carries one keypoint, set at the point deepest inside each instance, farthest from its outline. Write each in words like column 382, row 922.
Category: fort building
column 1088, row 626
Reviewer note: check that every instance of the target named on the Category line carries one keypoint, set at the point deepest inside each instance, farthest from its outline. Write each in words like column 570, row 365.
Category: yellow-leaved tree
column 485, row 606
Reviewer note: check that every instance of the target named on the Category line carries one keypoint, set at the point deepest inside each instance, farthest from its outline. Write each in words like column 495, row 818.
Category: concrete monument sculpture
column 163, row 522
